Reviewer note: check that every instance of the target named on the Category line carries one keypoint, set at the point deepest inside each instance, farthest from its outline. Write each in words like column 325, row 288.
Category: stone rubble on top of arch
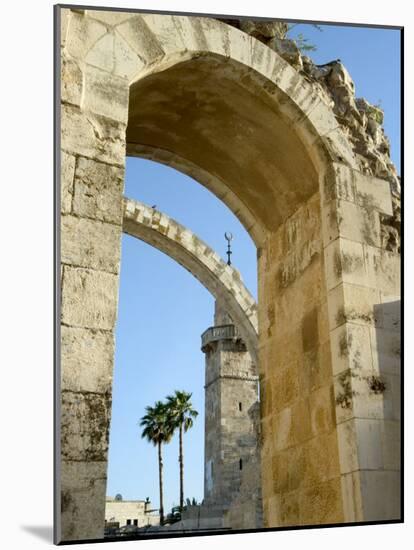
column 359, row 120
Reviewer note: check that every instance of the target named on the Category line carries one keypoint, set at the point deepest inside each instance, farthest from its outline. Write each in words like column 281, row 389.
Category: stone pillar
column 363, row 283
column 92, row 141
column 231, row 390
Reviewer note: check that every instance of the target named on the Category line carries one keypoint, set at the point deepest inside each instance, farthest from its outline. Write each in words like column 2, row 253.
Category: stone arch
column 183, row 246
column 266, row 142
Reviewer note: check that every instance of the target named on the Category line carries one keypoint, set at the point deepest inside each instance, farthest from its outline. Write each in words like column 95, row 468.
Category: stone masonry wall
column 328, row 266
column 300, row 459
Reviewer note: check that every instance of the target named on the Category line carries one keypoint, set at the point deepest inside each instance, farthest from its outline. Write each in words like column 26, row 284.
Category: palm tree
column 157, row 431
column 181, row 414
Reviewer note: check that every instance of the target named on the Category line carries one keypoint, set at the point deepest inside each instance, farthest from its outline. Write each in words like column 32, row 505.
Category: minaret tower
column 231, row 391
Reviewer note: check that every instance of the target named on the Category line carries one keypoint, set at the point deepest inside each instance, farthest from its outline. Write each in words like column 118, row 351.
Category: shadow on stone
column 43, row 532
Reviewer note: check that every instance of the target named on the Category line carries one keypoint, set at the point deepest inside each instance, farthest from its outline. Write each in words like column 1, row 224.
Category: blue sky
column 163, row 310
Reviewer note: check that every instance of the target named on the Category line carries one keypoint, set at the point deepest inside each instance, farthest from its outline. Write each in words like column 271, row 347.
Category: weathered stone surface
column 71, row 81
column 84, row 425
column 383, row 269
column 101, row 55
column 262, row 30
column 321, row 504
column 322, row 410
column 105, row 94
column 354, row 304
column 90, row 243
column 375, row 484
column 110, row 18
column 92, row 136
column 345, row 262
column 64, row 23
column 350, row 346
column 373, row 192
column 86, row 360
column 83, row 32
column 67, row 171
column 83, row 486
column 89, row 298
column 127, row 64
column 98, row 191
column 386, row 351
column 138, row 35
column 288, row 50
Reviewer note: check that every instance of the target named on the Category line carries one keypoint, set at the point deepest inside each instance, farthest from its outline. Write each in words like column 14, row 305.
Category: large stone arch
column 183, row 246
column 260, row 136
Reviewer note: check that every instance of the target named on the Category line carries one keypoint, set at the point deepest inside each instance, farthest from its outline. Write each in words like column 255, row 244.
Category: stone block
column 92, row 136
column 347, row 446
column 138, row 35
column 71, row 81
column 386, row 351
column 322, row 503
column 289, row 509
column 338, row 183
column 240, row 47
column 350, row 347
column 282, row 430
column 165, row 32
column 355, row 304
column 369, row 443
column 86, row 360
column 84, row 425
column 90, row 243
column 301, row 421
column 373, row 193
column 98, row 191
column 280, row 473
column 315, row 369
column 351, row 497
column 215, row 35
column 381, row 495
column 324, row 121
column 384, row 269
column 322, row 410
column 362, row 394
column 83, row 491
column 64, row 24
column 321, row 459
column 83, row 33
column 101, row 55
column 391, row 444
column 127, row 64
column 273, row 511
column 67, row 172
column 351, row 221
column 89, row 298
column 110, row 18
column 389, row 312
column 345, row 262
column 105, row 94
column 285, row 387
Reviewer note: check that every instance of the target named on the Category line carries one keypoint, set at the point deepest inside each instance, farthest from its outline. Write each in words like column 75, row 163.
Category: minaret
column 231, row 390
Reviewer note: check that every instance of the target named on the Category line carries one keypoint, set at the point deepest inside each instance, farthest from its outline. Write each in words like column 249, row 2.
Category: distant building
column 137, row 513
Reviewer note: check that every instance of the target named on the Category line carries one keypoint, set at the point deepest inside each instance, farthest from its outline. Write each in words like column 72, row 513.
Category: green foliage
column 180, row 410
column 301, row 41
column 157, row 428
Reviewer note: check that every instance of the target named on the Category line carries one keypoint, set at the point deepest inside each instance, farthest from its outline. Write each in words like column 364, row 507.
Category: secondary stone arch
column 183, row 246
column 214, row 101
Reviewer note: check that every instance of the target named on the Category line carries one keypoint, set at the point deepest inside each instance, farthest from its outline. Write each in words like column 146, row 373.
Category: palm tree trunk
column 181, row 459
column 161, row 482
